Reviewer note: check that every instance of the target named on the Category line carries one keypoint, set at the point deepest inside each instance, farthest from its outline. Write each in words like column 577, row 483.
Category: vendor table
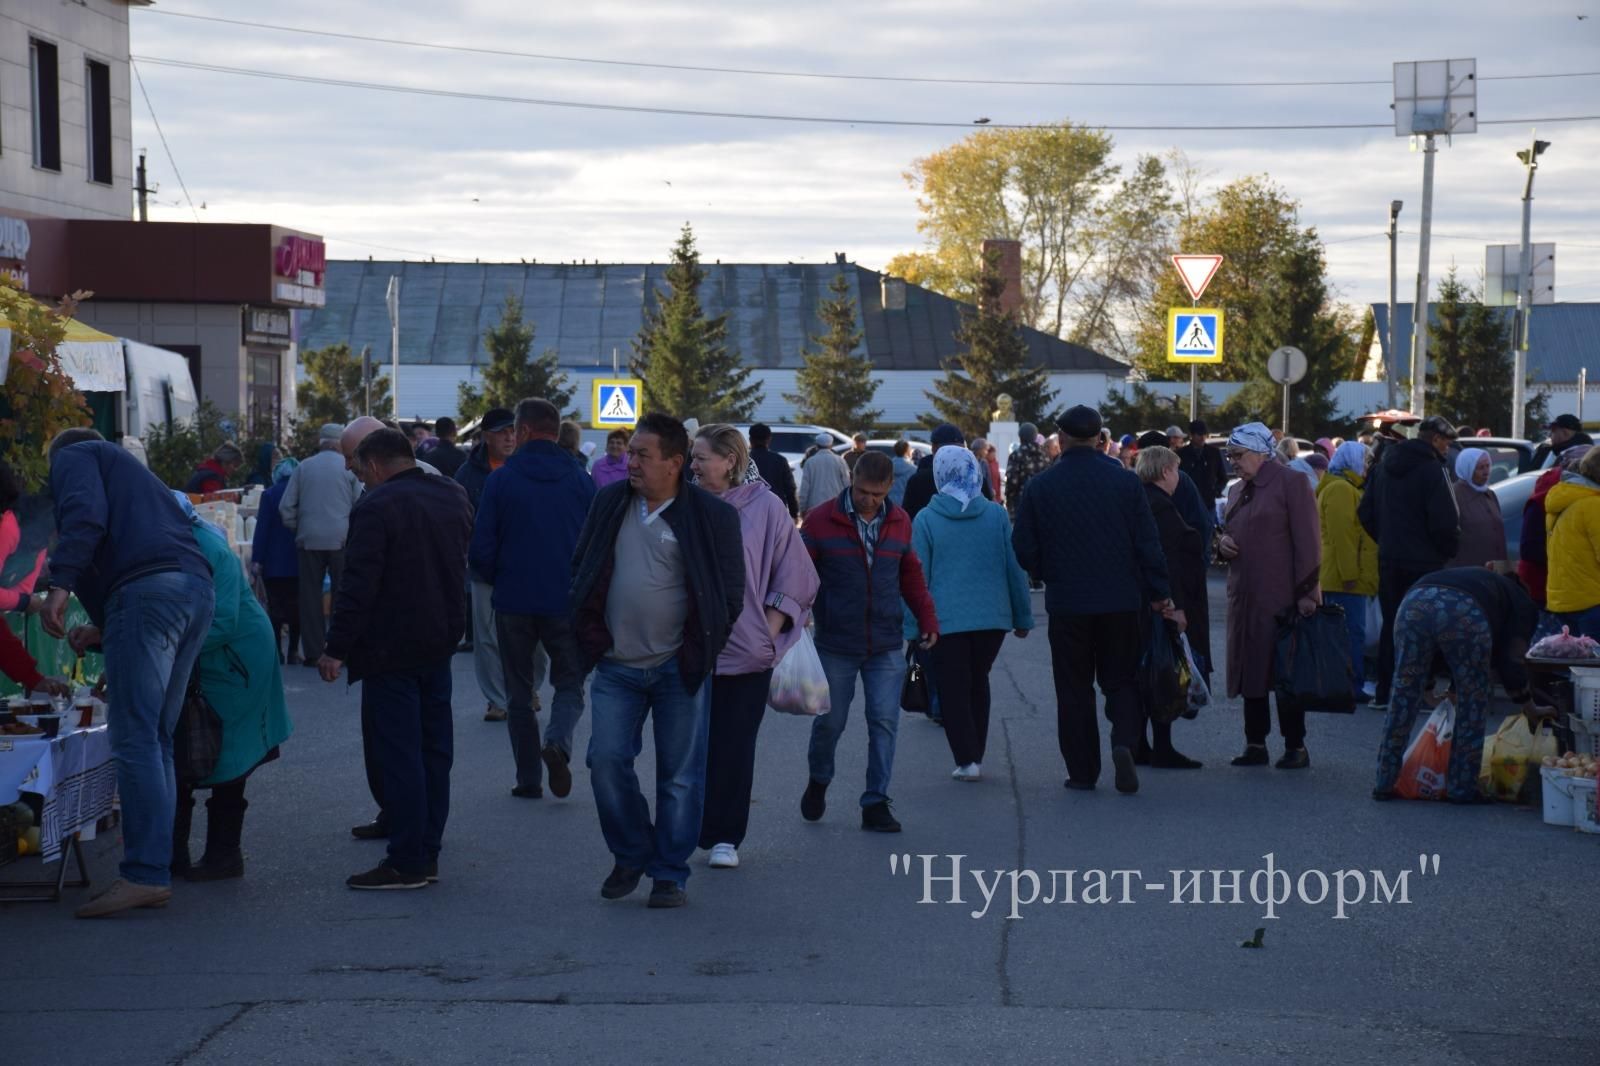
column 75, row 778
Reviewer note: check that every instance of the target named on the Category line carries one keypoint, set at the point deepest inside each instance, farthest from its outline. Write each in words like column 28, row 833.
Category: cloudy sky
column 392, row 175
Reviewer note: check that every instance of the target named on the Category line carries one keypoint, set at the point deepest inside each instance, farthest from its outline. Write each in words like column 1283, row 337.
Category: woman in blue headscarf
column 1349, row 554
column 1483, row 528
column 275, row 560
column 238, row 674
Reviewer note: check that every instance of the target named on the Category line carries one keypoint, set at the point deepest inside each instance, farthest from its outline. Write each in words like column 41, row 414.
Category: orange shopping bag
column 1427, row 760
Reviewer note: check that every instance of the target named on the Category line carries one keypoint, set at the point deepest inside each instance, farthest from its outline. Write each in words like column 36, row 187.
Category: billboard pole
column 1419, row 309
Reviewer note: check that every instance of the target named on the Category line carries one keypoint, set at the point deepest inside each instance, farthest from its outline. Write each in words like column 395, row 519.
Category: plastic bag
column 1164, row 674
column 798, row 684
column 1311, row 662
column 1427, row 760
column 1198, row 695
column 1564, row 645
column 1511, row 759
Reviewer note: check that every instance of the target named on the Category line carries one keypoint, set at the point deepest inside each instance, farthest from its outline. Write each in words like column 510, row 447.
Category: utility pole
column 143, row 189
column 1389, row 341
column 366, row 379
column 1529, row 157
column 1419, row 309
column 392, row 299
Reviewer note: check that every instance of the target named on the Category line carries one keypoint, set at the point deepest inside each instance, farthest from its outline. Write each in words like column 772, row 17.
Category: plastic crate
column 1583, row 812
column 1585, row 717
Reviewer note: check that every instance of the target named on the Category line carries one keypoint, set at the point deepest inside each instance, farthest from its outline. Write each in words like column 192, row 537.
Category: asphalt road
column 814, row 951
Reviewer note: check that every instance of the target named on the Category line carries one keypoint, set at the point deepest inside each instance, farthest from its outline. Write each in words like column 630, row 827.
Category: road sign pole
column 1194, row 383
column 1419, row 308
column 1286, row 410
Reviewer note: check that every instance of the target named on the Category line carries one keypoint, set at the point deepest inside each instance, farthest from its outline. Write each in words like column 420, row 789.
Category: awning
column 92, row 359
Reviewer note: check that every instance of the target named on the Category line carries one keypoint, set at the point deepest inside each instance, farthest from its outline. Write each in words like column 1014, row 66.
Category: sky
column 391, row 175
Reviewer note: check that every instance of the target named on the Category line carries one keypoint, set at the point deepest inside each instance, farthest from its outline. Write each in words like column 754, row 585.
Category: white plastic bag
column 798, row 684
column 1199, row 694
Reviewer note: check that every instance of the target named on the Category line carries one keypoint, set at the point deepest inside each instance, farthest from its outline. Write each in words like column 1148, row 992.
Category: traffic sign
column 1194, row 335
column 1197, row 271
column 1287, row 365
column 616, row 403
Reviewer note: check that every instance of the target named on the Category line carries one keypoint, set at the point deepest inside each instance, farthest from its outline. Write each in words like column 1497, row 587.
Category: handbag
column 197, row 742
column 1164, row 674
column 914, row 695
column 1311, row 662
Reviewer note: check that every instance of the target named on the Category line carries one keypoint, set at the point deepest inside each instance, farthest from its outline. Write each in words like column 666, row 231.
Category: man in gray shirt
column 316, row 505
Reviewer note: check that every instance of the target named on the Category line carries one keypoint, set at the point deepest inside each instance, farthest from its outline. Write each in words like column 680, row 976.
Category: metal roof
column 584, row 311
column 1562, row 337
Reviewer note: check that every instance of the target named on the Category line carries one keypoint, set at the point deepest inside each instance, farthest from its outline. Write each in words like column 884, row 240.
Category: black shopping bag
column 1311, row 664
column 914, row 694
column 1163, row 673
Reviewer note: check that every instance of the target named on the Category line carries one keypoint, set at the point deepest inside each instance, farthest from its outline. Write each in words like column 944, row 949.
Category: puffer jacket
column 1348, row 553
column 1572, row 543
column 1409, row 510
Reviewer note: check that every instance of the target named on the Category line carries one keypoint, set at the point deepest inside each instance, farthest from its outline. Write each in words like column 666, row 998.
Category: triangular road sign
column 1197, row 271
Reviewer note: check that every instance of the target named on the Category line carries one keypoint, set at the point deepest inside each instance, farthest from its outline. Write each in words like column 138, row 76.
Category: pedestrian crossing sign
column 616, row 403
column 1194, row 335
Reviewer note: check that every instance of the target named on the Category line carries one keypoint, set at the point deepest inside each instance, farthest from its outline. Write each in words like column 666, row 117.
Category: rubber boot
column 224, row 824
column 182, row 821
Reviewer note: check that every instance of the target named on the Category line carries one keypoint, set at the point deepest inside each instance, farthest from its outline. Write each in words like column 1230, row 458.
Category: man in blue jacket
column 125, row 550
column 1085, row 527
column 529, row 517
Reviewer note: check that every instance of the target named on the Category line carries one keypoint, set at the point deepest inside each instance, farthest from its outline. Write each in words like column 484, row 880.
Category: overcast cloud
column 400, row 176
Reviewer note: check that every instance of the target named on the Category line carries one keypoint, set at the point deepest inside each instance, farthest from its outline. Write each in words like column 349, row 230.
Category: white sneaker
column 970, row 772
column 724, row 857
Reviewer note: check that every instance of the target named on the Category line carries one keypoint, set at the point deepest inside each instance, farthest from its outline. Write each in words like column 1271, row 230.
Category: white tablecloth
column 73, row 773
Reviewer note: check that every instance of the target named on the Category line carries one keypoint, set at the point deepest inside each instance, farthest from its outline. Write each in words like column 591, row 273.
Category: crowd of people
column 671, row 580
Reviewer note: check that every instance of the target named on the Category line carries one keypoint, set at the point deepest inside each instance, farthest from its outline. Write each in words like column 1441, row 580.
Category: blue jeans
column 1355, row 624
column 154, row 627
column 619, row 699
column 414, row 740
column 881, row 675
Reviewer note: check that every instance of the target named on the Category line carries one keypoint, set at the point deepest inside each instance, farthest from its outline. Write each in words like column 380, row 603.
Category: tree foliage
column 39, row 399
column 1469, row 347
column 683, row 357
column 1143, row 409
column 835, row 384
column 514, row 373
column 174, row 451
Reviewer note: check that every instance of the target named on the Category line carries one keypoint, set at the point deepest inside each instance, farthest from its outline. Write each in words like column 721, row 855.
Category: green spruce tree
column 995, row 362
column 514, row 373
column 1472, row 365
column 835, row 384
column 683, row 357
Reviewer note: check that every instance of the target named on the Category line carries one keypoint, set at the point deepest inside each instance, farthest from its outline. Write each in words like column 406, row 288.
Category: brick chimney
column 1008, row 257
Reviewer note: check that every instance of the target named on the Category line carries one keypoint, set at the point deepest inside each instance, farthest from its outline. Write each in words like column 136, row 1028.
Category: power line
column 164, row 146
column 769, row 73
column 459, row 94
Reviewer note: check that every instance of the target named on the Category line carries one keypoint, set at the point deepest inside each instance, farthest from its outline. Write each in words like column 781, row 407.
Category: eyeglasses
column 1237, row 453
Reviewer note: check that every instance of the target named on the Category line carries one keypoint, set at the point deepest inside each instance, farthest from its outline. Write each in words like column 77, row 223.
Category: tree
column 332, row 391
column 835, row 384
column 514, row 373
column 1145, row 409
column 1469, row 345
column 39, row 399
column 683, row 357
column 1132, row 242
column 995, row 362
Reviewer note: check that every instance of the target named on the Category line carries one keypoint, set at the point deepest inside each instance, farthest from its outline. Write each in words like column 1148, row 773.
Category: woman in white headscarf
column 1483, row 528
column 979, row 590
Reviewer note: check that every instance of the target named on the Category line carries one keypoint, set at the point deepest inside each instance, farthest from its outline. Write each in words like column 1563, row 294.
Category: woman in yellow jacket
column 1349, row 555
column 1572, row 543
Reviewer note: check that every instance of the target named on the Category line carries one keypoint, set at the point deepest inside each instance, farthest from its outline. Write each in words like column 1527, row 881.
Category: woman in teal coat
column 238, row 673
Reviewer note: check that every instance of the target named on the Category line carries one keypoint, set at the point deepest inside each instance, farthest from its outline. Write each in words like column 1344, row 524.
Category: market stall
column 54, row 790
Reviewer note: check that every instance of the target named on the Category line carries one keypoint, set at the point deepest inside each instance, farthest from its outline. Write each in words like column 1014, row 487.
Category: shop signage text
column 266, row 325
column 15, row 240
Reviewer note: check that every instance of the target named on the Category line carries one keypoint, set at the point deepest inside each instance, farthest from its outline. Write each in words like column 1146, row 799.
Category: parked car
column 1508, row 456
column 1513, row 494
column 791, row 439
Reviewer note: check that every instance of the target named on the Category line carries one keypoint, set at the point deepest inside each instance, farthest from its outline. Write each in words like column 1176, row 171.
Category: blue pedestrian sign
column 1194, row 335
column 616, row 403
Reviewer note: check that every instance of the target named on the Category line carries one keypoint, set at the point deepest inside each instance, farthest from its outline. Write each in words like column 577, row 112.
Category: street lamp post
column 1389, row 363
column 1529, row 157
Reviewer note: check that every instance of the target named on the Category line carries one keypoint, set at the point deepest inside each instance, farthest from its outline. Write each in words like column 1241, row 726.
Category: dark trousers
column 1085, row 648
column 519, row 639
column 738, row 703
column 1258, row 723
column 313, row 623
column 371, row 761
column 962, row 662
column 411, row 727
column 1393, row 584
column 283, row 608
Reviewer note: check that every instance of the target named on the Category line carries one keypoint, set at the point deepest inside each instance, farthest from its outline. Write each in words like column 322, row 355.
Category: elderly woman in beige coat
column 1273, row 546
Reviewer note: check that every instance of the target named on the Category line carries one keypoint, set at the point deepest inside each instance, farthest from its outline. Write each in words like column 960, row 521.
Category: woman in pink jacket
column 780, row 585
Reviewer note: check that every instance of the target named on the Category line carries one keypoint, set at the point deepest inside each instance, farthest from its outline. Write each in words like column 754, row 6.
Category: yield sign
column 1197, row 271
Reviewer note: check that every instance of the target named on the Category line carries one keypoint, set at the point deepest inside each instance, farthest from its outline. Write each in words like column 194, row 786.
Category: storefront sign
column 15, row 240
column 267, row 325
column 298, row 266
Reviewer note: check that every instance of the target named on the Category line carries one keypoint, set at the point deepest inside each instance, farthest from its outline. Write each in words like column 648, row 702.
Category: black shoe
column 621, row 882
column 1127, row 776
column 432, row 873
column 665, row 894
column 1173, row 760
column 1254, row 755
column 556, row 764
column 1079, row 786
column 528, row 792
column 383, row 876
column 1296, row 759
column 1142, row 753
column 1384, row 794
column 815, row 801
column 377, row 829
column 218, row 867
column 877, row 818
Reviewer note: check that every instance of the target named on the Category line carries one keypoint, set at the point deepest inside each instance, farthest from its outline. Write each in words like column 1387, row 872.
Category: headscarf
column 284, row 470
column 1253, row 437
column 955, row 474
column 194, row 516
column 1466, row 463
column 1326, row 447
column 1352, row 456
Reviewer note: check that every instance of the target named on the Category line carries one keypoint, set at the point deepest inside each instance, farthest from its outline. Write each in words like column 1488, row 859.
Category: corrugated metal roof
column 1562, row 338
column 584, row 311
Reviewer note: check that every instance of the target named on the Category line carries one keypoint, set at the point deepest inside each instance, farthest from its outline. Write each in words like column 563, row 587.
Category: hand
column 33, row 604
column 1307, row 606
column 1227, row 547
column 82, row 638
column 1180, row 618
column 100, row 689
column 329, row 668
column 1021, row 634
column 776, row 620
column 55, row 686
column 1536, row 713
column 928, row 641
column 53, row 615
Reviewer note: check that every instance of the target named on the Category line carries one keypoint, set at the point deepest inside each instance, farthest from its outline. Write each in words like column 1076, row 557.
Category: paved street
column 813, row 951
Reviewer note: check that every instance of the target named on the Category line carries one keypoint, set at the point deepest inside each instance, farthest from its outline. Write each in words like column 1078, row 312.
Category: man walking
column 858, row 448
column 823, row 474
column 861, row 546
column 774, row 468
column 126, row 551
column 1203, row 463
column 1027, row 461
column 446, row 455
column 316, row 505
column 398, row 615
column 529, row 517
column 1085, row 527
column 658, row 582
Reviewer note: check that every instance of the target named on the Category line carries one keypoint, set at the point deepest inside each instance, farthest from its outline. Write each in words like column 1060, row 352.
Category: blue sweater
column 971, row 569
column 115, row 522
column 272, row 548
column 529, row 518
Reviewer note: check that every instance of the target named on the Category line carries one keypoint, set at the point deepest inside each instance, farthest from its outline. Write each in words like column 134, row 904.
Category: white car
column 791, row 440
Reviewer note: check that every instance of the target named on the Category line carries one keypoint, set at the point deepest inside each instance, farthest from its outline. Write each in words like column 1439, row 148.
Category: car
column 1513, row 494
column 792, row 439
column 886, row 446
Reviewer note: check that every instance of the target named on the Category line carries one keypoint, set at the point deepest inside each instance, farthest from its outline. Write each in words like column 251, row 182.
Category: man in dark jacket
column 1566, row 431
column 1203, row 463
column 1027, row 461
column 1085, row 527
column 774, row 467
column 497, row 439
column 397, row 617
column 861, row 546
column 446, row 454
column 920, row 489
column 126, row 551
column 1409, row 508
column 658, row 580
column 527, row 525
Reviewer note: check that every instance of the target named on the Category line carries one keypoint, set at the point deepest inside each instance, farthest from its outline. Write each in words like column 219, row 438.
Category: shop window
column 97, row 120
column 46, row 105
